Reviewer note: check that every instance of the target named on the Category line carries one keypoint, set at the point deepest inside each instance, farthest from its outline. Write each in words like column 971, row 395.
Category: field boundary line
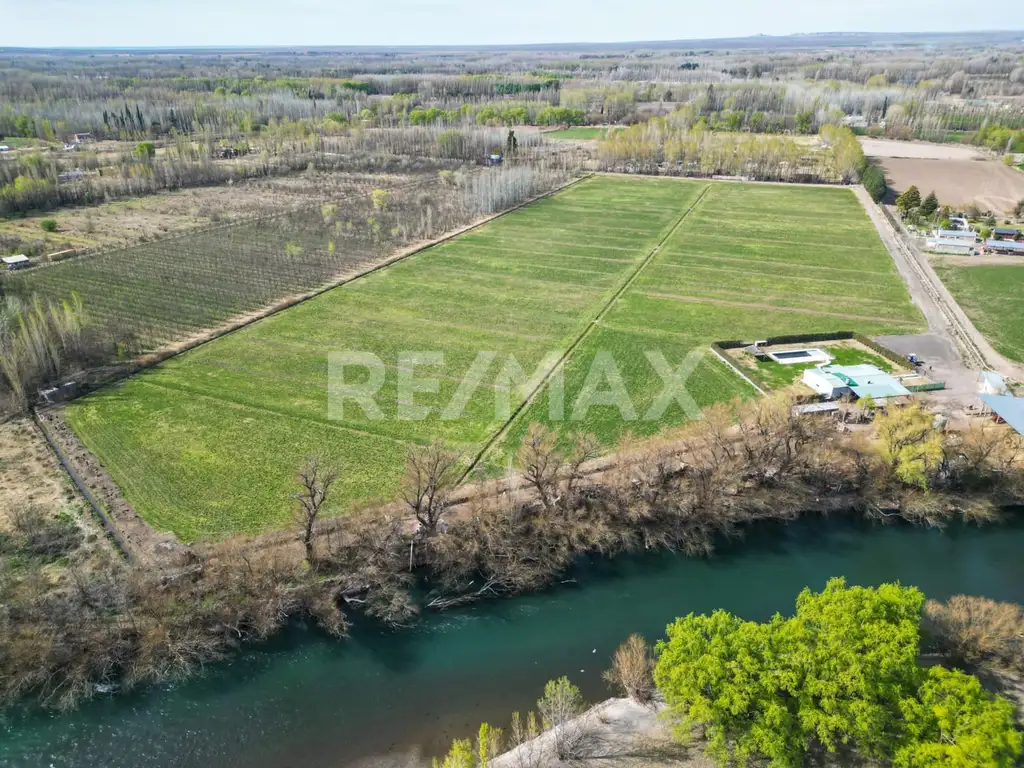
column 152, row 359
column 737, row 371
column 602, row 313
column 83, row 489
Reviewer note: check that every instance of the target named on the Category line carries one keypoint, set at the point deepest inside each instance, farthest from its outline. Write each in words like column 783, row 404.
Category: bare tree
column 977, row 630
column 431, row 474
column 632, row 670
column 316, row 478
column 541, row 462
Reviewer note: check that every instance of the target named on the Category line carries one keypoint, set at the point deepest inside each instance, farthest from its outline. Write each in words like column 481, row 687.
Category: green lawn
column 579, row 134
column 208, row 444
column 778, row 376
column 993, row 297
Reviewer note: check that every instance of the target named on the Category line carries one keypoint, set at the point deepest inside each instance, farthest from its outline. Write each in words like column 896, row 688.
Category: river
column 304, row 700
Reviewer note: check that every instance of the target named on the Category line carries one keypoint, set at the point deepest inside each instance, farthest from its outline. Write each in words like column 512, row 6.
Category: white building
column 834, row 381
column 960, row 247
column 16, row 262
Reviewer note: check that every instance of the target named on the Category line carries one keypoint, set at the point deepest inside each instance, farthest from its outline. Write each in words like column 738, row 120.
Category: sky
column 155, row 23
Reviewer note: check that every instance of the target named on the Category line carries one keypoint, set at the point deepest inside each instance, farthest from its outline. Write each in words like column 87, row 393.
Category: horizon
column 512, row 46
column 398, row 24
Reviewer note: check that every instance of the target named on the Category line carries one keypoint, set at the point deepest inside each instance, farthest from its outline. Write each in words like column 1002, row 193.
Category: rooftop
column 1005, row 244
column 1010, row 409
column 955, row 234
column 1006, row 231
column 865, row 380
column 19, row 259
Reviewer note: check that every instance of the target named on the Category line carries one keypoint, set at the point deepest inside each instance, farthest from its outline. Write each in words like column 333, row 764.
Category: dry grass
column 29, row 473
column 127, row 222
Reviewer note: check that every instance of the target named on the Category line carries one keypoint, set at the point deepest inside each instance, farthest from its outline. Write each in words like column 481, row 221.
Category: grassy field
column 577, row 134
column 208, row 443
column 992, row 297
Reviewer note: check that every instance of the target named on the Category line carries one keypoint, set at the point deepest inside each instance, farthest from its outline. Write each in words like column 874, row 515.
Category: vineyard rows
column 159, row 292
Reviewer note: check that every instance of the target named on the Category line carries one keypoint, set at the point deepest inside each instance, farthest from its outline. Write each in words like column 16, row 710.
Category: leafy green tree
column 873, row 179
column 561, row 702
column 909, row 200
column 852, row 653
column 145, row 150
column 909, row 443
column 723, row 674
column 48, row 225
column 805, row 122
column 1018, row 209
column 929, row 205
column 833, row 676
column 459, row 756
column 953, row 722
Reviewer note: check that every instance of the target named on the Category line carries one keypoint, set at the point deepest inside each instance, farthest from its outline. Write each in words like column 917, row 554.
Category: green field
column 993, row 297
column 207, row 444
column 578, row 134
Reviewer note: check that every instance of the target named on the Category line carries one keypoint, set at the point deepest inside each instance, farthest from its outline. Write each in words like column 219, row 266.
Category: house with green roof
column 859, row 381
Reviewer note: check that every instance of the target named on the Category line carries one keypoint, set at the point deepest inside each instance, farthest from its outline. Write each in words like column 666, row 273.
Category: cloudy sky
column 95, row 23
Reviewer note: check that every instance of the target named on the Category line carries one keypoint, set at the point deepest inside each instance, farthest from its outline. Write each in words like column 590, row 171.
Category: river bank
column 388, row 696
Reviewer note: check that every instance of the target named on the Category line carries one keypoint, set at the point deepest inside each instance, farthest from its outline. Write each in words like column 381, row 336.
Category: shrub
column 40, row 535
column 48, row 225
column 873, row 179
column 976, row 630
column 632, row 668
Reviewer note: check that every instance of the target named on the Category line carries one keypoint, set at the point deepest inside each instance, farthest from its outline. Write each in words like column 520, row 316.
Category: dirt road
column 951, row 334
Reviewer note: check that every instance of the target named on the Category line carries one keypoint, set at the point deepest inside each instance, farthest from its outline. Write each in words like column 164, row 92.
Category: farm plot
column 208, row 444
column 993, row 297
column 749, row 262
column 166, row 290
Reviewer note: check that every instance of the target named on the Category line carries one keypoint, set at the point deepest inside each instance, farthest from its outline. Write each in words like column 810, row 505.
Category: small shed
column 16, row 262
column 991, row 383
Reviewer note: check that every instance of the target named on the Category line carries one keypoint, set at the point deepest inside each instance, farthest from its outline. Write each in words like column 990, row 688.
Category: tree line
column 124, row 624
column 671, row 146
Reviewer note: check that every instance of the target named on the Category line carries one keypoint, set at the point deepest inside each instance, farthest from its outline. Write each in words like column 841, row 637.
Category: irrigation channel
column 381, row 696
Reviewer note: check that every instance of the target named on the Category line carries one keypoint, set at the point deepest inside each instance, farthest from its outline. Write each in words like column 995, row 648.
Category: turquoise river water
column 381, row 696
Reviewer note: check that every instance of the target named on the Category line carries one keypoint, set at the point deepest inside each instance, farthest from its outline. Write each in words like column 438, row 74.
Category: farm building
column 955, row 234
column 961, row 247
column 1007, row 408
column 833, row 381
column 16, row 262
column 1007, row 247
column 1005, row 233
